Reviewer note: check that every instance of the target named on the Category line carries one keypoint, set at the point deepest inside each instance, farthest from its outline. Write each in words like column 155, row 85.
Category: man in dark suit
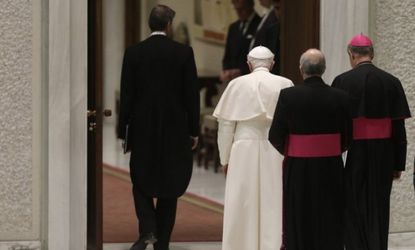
column 240, row 35
column 268, row 31
column 159, row 119
column 312, row 127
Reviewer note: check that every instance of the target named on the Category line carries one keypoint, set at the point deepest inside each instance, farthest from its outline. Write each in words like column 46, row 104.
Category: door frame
column 293, row 44
column 64, row 64
column 298, row 34
column 95, row 126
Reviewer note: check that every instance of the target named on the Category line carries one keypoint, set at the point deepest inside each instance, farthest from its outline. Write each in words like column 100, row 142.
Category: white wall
column 392, row 29
column 113, row 51
column 20, row 121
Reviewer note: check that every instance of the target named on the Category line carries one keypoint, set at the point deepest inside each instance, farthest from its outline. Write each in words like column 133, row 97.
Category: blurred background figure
column 268, row 31
column 240, row 35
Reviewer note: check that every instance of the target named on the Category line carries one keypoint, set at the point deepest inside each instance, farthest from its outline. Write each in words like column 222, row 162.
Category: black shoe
column 150, row 238
column 142, row 243
column 139, row 245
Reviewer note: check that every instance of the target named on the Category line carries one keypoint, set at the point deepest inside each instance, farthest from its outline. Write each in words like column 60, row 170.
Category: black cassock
column 160, row 102
column 306, row 115
column 379, row 108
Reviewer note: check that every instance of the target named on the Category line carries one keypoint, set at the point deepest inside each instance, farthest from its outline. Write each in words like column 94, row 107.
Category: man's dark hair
column 247, row 3
column 160, row 16
column 363, row 51
column 250, row 3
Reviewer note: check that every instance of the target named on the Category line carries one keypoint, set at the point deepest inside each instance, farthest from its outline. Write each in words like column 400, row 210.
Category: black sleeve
column 399, row 140
column 192, row 97
column 126, row 96
column 279, row 130
column 335, row 82
column 272, row 41
column 347, row 130
column 226, row 61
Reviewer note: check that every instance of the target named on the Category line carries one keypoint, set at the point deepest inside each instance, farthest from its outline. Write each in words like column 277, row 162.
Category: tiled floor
column 211, row 185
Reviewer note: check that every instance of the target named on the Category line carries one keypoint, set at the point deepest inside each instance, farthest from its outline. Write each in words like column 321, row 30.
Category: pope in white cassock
column 253, row 194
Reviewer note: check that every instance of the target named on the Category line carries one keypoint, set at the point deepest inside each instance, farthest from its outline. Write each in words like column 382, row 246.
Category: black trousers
column 156, row 218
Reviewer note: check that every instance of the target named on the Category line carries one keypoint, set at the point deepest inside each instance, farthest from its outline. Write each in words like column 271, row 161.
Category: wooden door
column 300, row 30
column 95, row 117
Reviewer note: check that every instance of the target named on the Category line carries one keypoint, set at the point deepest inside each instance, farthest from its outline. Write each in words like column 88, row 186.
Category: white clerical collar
column 158, row 33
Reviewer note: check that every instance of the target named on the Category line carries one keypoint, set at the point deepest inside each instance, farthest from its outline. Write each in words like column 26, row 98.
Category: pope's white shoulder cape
column 250, row 96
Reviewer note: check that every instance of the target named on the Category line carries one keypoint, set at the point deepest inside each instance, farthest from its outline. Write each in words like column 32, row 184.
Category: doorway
column 299, row 31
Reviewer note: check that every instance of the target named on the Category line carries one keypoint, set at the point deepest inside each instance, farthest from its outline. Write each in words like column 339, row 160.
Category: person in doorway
column 268, row 31
column 240, row 35
column 253, row 193
column 378, row 153
column 159, row 118
column 312, row 127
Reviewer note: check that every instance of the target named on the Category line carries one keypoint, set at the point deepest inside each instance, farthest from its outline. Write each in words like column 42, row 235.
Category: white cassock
column 253, row 193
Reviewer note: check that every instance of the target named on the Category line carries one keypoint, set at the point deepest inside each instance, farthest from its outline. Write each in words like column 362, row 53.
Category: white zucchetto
column 261, row 52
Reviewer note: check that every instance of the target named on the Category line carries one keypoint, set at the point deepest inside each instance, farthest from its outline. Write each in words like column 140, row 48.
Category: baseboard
column 20, row 245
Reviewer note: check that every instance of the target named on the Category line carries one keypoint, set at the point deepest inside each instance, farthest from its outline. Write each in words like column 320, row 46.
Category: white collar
column 158, row 33
column 268, row 10
column 261, row 69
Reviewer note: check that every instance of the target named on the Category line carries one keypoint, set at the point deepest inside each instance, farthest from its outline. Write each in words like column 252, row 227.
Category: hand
column 396, row 175
column 224, row 76
column 225, row 169
column 234, row 73
column 123, row 147
column 195, row 141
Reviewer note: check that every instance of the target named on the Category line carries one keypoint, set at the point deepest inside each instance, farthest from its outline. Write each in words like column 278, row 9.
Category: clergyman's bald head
column 312, row 63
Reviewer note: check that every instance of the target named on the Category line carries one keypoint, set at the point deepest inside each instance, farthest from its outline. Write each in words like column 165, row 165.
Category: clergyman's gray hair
column 256, row 63
column 363, row 51
column 313, row 65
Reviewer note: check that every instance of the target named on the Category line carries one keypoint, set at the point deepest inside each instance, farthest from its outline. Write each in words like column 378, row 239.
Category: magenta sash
column 320, row 145
column 364, row 128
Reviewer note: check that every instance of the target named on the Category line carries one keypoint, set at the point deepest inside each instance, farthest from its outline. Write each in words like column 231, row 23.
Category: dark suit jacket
column 160, row 102
column 237, row 45
column 268, row 35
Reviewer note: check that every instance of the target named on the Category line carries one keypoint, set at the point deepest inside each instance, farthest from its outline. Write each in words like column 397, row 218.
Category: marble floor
column 210, row 185
column 397, row 241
